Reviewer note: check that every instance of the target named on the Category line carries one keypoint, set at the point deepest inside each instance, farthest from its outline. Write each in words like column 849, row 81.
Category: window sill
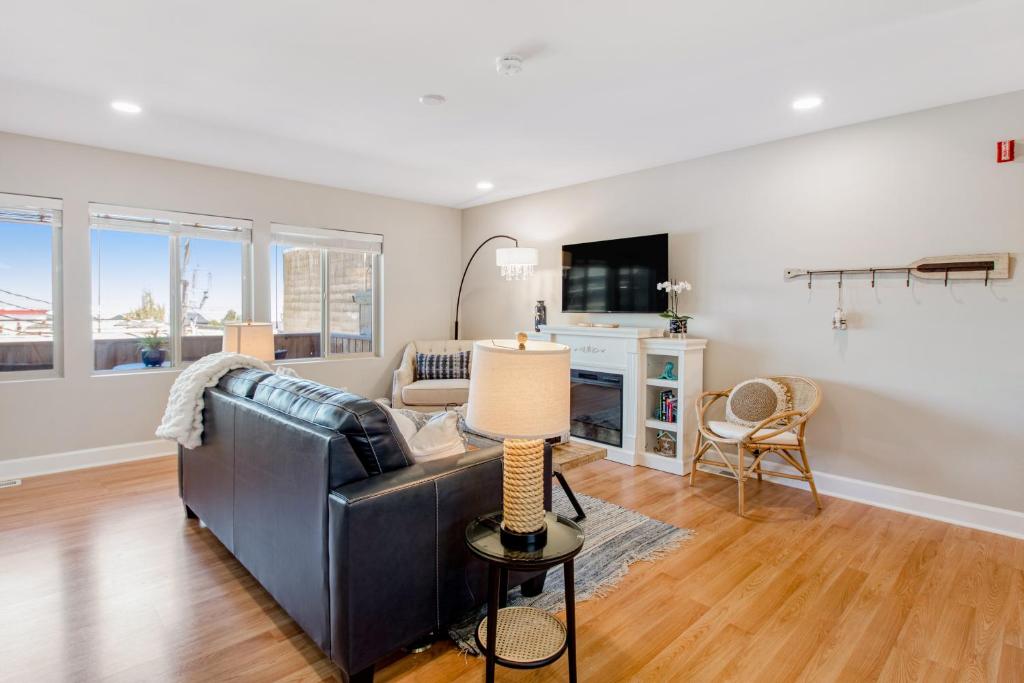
column 137, row 371
column 29, row 376
column 328, row 359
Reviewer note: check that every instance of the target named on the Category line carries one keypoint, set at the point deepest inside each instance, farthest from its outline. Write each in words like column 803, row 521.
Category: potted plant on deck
column 151, row 347
column 676, row 322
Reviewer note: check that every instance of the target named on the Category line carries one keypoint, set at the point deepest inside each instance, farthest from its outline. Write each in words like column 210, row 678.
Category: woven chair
column 781, row 434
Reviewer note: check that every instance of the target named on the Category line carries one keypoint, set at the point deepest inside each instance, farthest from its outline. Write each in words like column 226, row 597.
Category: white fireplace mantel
column 639, row 355
column 594, row 331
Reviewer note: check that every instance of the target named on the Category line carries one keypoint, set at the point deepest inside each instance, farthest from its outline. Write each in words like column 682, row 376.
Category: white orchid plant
column 674, row 288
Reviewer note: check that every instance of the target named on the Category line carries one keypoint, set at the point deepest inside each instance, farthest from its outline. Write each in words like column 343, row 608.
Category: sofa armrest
column 404, row 376
column 399, row 568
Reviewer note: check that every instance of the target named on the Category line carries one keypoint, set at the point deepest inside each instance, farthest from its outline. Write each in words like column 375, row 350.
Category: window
column 30, row 266
column 325, row 285
column 164, row 284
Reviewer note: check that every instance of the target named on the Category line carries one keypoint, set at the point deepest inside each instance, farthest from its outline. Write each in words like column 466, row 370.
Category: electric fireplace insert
column 595, row 406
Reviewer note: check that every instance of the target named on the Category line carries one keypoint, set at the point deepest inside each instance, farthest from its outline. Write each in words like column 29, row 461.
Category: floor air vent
column 8, row 483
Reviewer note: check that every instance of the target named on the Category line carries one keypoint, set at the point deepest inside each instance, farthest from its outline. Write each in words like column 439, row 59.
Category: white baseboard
column 950, row 510
column 22, row 468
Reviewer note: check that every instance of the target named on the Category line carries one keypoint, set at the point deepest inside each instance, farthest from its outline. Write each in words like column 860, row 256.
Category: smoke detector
column 433, row 100
column 509, row 65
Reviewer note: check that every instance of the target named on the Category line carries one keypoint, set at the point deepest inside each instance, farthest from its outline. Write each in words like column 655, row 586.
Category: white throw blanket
column 183, row 419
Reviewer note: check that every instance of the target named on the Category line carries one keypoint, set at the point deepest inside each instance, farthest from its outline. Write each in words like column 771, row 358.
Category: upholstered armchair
column 780, row 433
column 428, row 395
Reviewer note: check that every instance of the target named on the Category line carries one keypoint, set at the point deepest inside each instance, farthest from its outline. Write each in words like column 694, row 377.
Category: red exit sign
column 1004, row 151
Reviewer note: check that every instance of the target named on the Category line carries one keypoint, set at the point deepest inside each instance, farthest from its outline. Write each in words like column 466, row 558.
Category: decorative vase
column 540, row 315
column 676, row 326
column 153, row 358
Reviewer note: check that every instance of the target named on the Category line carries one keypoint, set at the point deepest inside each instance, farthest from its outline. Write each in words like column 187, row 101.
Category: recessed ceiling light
column 485, row 185
column 433, row 100
column 807, row 102
column 125, row 107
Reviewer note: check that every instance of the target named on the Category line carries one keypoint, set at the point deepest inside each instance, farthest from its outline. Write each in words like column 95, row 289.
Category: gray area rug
column 615, row 538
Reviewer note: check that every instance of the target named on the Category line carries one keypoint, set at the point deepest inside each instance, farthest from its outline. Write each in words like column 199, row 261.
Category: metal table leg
column 493, row 588
column 503, row 589
column 580, row 515
column 570, row 616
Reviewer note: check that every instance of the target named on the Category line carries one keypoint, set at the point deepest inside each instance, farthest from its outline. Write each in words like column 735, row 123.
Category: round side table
column 525, row 637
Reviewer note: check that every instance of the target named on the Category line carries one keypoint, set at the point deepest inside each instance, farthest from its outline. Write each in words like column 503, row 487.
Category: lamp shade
column 251, row 339
column 522, row 394
column 516, row 263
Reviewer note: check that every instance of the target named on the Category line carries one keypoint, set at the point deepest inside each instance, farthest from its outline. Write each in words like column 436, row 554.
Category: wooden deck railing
column 34, row 354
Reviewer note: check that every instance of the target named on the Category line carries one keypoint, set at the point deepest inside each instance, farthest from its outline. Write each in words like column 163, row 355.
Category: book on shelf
column 668, row 404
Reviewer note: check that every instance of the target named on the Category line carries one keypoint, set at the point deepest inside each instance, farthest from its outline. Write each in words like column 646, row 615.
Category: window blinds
column 345, row 240
column 107, row 217
column 36, row 210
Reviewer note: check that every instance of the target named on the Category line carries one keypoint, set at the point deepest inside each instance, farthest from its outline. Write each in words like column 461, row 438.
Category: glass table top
column 565, row 539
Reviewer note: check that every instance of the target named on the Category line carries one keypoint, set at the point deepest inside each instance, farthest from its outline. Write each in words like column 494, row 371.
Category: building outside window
column 164, row 284
column 325, row 292
column 30, row 286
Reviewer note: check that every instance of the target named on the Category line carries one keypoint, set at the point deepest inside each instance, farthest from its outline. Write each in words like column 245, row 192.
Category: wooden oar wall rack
column 966, row 267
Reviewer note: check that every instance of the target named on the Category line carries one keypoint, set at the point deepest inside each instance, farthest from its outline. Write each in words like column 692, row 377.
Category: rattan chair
column 781, row 434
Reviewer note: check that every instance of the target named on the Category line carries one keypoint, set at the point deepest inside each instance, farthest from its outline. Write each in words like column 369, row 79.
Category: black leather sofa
column 315, row 492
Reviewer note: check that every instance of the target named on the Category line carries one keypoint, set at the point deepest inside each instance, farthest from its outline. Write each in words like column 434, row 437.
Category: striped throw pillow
column 442, row 365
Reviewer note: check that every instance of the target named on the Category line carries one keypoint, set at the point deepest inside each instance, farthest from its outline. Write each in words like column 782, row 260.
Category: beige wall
column 81, row 411
column 924, row 390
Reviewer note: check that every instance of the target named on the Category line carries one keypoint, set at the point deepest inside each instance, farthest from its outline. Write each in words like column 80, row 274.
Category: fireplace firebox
column 596, row 406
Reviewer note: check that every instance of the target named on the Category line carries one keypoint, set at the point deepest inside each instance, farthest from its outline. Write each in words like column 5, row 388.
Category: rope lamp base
column 522, row 526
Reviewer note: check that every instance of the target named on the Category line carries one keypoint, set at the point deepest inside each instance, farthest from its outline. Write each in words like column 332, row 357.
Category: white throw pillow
column 429, row 436
column 406, row 426
column 439, row 438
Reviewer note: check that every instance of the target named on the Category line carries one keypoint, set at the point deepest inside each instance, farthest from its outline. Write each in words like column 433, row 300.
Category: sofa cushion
column 242, row 381
column 372, row 434
column 436, row 392
column 729, row 430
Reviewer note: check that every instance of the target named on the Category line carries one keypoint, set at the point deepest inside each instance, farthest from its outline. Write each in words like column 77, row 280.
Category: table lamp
column 519, row 392
column 251, row 339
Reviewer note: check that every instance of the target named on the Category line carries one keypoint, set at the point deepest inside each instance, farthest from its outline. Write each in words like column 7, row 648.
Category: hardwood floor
column 103, row 578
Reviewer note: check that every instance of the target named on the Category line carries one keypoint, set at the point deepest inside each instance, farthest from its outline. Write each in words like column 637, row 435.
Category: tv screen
column 615, row 276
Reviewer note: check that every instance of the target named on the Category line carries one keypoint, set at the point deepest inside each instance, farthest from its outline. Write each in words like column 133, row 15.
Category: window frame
column 175, row 225
column 54, row 208
column 330, row 240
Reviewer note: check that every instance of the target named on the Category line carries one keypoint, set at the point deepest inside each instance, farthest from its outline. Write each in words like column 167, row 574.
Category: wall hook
column 872, row 278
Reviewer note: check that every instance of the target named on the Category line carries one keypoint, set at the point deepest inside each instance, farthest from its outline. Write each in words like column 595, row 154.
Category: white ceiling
column 326, row 91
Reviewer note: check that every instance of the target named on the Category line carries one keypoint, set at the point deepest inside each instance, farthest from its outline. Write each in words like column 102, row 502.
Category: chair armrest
column 397, row 384
column 399, row 566
column 702, row 404
column 404, row 375
column 789, row 419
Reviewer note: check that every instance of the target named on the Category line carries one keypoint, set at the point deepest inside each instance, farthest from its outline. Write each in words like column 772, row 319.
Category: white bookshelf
column 687, row 356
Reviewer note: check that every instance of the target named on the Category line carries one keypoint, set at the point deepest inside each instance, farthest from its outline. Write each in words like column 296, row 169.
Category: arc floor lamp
column 516, row 263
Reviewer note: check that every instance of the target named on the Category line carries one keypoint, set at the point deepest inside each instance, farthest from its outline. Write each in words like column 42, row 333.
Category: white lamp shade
column 519, row 394
column 251, row 339
column 516, row 256
column 516, row 263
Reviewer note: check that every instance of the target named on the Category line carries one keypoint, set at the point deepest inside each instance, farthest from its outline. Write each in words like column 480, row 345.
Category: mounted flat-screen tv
column 615, row 276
